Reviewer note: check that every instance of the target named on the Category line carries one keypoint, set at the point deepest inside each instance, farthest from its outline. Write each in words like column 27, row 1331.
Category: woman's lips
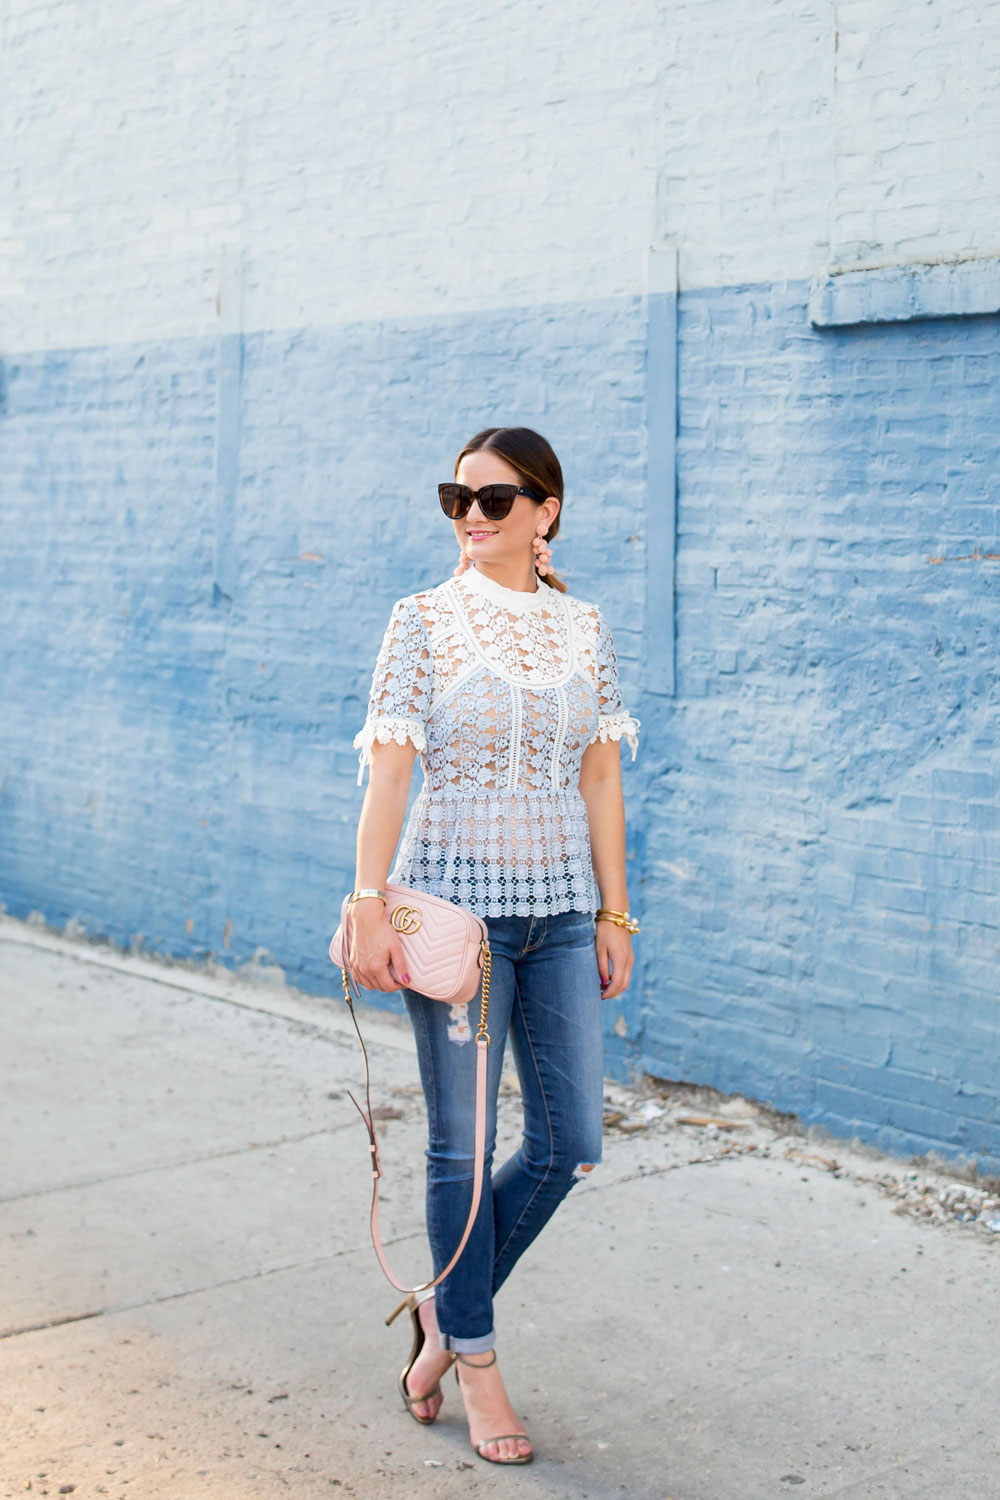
column 477, row 536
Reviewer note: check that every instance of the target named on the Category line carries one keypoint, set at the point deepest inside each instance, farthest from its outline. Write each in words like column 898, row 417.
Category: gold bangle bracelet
column 620, row 919
column 367, row 891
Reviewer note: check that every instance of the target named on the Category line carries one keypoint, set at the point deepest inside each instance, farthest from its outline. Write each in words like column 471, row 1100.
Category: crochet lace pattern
column 500, row 692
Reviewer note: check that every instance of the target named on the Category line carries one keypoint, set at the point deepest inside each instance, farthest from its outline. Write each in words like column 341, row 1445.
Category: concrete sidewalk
column 191, row 1305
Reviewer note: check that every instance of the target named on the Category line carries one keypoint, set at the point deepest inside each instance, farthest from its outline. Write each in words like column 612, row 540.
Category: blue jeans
column 546, row 994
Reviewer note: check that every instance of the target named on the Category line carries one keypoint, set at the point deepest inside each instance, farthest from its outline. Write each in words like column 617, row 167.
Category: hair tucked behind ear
column 534, row 461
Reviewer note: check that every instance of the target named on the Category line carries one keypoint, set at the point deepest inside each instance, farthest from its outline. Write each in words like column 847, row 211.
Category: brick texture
column 263, row 273
column 821, row 850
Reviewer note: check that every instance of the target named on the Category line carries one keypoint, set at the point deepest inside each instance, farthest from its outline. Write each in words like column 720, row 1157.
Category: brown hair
column 535, row 463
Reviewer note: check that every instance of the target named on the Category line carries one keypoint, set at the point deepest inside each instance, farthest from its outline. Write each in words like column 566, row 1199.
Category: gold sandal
column 522, row 1458
column 419, row 1339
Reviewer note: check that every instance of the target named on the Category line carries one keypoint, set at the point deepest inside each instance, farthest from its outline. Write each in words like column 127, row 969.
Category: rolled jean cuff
column 467, row 1346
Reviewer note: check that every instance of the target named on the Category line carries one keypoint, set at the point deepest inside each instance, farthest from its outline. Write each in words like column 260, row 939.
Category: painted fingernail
column 406, row 978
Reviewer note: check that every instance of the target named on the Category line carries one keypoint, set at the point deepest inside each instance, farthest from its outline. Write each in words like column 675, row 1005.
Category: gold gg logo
column 405, row 919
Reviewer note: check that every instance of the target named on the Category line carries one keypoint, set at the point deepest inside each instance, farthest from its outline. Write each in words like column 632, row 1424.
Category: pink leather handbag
column 448, row 958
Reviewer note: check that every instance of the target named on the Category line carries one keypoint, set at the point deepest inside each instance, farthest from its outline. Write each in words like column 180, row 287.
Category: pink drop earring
column 462, row 565
column 543, row 553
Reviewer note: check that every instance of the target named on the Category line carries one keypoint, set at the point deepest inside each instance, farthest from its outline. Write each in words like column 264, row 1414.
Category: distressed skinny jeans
column 546, row 995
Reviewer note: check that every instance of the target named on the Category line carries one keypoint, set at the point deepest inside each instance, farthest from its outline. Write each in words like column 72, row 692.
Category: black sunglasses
column 495, row 500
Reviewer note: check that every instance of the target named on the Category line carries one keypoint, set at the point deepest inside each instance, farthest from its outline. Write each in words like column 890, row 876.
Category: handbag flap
column 441, row 940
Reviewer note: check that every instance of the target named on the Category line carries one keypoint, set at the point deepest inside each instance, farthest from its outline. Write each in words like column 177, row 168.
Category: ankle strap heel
column 522, row 1458
column 465, row 1361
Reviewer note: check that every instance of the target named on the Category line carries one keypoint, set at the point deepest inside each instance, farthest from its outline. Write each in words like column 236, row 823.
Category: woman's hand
column 614, row 958
column 376, row 956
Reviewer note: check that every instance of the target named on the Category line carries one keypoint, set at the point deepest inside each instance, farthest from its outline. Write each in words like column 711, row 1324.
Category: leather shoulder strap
column 482, row 1050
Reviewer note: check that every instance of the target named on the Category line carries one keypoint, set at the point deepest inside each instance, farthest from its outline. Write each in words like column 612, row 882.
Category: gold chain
column 485, row 1003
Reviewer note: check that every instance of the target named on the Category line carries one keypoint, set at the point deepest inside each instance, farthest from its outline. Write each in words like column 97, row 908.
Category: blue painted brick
column 864, row 1111
column 964, row 784
column 186, row 684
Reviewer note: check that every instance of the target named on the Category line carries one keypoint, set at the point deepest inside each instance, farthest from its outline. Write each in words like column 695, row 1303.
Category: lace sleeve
column 399, row 700
column 614, row 720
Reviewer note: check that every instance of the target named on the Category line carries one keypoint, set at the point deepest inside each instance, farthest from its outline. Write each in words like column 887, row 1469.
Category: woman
column 507, row 687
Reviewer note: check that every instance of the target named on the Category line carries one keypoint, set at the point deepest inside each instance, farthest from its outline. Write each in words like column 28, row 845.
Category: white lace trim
column 383, row 730
column 617, row 727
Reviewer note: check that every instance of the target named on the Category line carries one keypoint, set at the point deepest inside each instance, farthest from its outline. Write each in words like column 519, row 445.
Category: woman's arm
column 376, row 955
column 601, row 789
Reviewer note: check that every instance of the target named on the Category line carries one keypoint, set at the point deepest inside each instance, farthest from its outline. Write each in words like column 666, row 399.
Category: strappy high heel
column 419, row 1339
column 520, row 1458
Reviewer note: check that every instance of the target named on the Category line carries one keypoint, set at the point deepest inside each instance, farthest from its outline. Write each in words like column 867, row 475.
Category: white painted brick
column 397, row 160
column 917, row 120
column 168, row 218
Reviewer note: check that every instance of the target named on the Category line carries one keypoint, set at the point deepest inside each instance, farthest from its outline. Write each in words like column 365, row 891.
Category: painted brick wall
column 917, row 113
column 825, row 873
column 187, row 667
column 339, row 164
column 261, row 275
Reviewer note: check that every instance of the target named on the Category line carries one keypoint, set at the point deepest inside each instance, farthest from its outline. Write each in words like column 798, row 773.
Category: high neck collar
column 513, row 599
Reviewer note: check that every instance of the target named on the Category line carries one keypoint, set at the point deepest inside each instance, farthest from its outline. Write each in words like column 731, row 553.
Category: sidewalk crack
column 171, row 1166
column 195, row 1291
